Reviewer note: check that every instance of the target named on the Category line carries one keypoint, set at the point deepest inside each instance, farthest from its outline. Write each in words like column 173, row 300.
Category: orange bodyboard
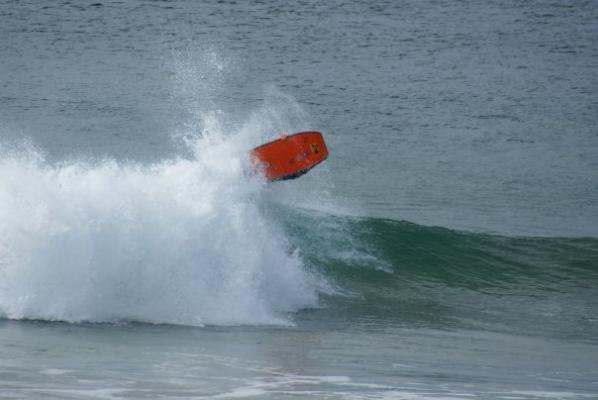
column 290, row 156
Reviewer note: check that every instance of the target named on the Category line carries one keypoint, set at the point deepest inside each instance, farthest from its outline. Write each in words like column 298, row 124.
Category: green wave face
column 389, row 271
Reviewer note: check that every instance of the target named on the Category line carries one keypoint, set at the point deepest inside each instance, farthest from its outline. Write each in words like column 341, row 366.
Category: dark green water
column 434, row 277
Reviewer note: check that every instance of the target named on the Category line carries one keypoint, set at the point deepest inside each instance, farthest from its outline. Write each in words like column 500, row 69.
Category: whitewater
column 181, row 241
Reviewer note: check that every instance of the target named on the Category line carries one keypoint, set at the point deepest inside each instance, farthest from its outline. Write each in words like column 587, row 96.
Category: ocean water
column 447, row 249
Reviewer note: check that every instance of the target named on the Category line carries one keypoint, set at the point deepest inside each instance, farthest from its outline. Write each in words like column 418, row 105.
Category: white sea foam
column 181, row 241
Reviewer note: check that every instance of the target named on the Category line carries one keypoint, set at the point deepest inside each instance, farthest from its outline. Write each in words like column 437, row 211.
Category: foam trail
column 181, row 241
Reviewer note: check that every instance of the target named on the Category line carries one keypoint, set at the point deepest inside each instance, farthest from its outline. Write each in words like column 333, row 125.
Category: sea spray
column 181, row 241
column 186, row 239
